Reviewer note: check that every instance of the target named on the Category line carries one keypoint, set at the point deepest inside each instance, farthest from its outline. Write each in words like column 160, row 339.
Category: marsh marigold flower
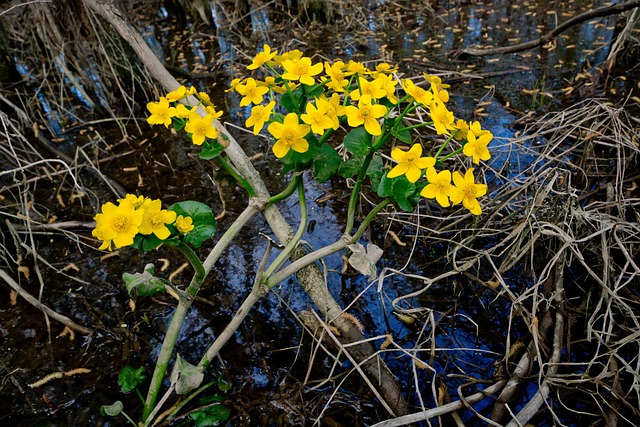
column 289, row 135
column 335, row 72
column 180, row 93
column 259, row 115
column 117, row 224
column 301, row 70
column 440, row 187
column 442, row 118
column 183, row 224
column 200, row 128
column 419, row 95
column 316, row 116
column 155, row 218
column 469, row 191
column 410, row 163
column 372, row 88
column 262, row 57
column 367, row 114
column 477, row 147
column 161, row 112
column 251, row 92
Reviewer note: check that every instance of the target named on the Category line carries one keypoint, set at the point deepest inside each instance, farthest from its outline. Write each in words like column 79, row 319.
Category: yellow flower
column 251, row 91
column 335, row 72
column 388, row 83
column 373, row 89
column 477, row 129
column 200, row 128
column 155, row 218
column 461, row 128
column 292, row 55
column 182, row 111
column 366, row 114
column 301, row 70
column 439, row 95
column 334, row 108
column 410, row 163
column 234, row 83
column 435, row 81
column 317, row 117
column 289, row 135
column 259, row 115
column 469, row 191
column 477, row 148
column 210, row 109
column 180, row 93
column 440, row 187
column 117, row 224
column 262, row 57
column 205, row 98
column 136, row 201
column 355, row 67
column 183, row 224
column 161, row 112
column 419, row 95
column 385, row 68
column 442, row 118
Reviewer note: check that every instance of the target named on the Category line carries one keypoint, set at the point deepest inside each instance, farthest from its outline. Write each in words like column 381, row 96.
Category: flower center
column 120, row 223
column 156, row 221
column 287, row 136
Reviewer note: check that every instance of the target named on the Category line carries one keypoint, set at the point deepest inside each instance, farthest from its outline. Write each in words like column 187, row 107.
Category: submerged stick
column 40, row 306
column 546, row 38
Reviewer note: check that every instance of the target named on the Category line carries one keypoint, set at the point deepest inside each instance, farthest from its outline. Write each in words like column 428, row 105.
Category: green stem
column 200, row 274
column 286, row 252
column 419, row 125
column 444, row 144
column 124, row 414
column 287, row 191
column 443, row 158
column 243, row 182
column 314, row 256
column 184, row 303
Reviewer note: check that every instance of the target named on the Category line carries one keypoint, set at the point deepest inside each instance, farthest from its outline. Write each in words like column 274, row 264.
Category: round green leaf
column 112, row 410
column 204, row 222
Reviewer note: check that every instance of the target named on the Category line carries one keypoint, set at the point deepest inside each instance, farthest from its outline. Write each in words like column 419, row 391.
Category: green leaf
column 210, row 149
column 130, row 378
column 291, row 103
column 113, row 409
column 375, row 171
column 185, row 376
column 385, row 187
column 358, row 142
column 212, row 415
column 204, row 222
column 326, row 164
column 349, row 168
column 402, row 190
column 144, row 284
column 146, row 243
column 404, row 135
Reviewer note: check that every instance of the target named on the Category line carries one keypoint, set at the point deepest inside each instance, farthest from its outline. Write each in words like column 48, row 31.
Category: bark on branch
column 546, row 38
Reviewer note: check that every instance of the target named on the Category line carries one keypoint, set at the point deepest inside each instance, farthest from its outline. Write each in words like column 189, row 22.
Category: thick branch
column 596, row 13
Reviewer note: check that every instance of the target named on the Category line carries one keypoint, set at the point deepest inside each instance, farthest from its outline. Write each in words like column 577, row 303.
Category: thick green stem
column 286, row 252
column 314, row 256
column 199, row 275
column 184, row 303
column 243, row 182
column 287, row 191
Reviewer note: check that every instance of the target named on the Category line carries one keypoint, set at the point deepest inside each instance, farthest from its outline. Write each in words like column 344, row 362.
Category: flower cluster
column 170, row 110
column 137, row 215
column 320, row 97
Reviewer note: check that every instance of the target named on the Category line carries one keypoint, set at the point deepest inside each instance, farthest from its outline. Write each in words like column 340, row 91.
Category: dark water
column 263, row 362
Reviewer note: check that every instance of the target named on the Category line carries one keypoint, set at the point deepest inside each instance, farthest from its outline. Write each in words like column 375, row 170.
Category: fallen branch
column 546, row 38
column 40, row 306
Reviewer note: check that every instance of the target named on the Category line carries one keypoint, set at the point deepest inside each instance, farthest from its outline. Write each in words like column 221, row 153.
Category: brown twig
column 546, row 38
